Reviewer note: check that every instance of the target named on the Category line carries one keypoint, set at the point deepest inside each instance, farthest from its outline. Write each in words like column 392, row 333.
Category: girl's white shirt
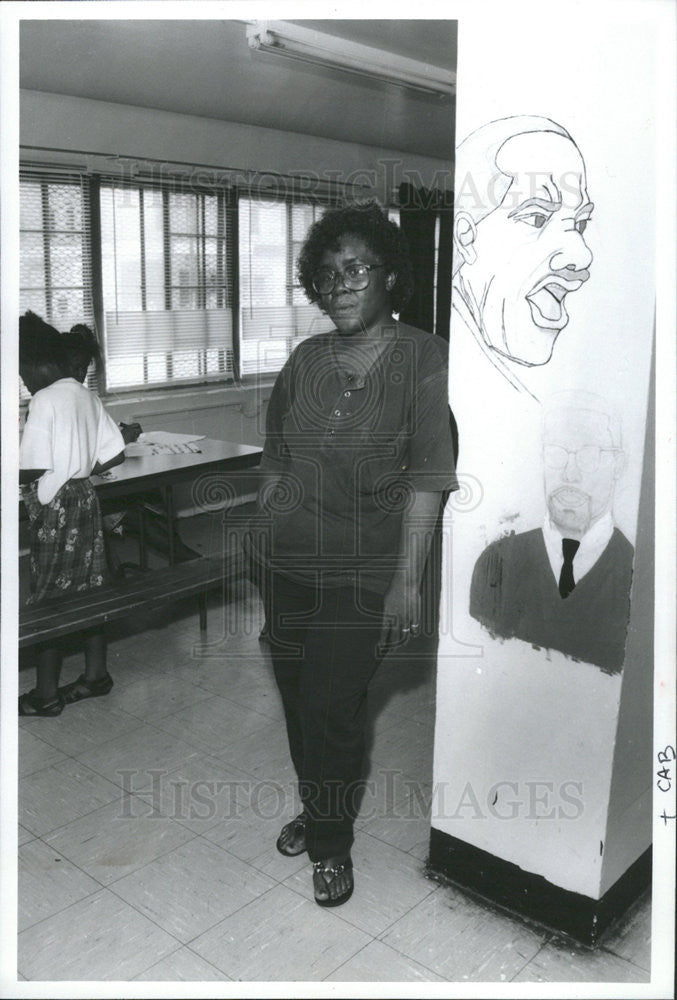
column 67, row 432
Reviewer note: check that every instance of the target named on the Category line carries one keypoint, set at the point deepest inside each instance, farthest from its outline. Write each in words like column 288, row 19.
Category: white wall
column 629, row 820
column 78, row 126
column 508, row 712
column 232, row 413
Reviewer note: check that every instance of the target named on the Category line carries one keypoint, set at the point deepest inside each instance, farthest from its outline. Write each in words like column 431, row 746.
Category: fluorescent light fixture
column 286, row 39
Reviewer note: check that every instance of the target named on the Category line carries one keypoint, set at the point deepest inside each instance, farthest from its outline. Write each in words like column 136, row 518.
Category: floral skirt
column 67, row 552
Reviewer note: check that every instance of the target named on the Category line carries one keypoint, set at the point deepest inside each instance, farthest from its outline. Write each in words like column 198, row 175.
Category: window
column 55, row 272
column 183, row 283
column 275, row 315
column 54, row 259
column 167, row 277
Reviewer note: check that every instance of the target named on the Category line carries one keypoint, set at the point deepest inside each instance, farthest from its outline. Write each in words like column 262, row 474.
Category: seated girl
column 68, row 435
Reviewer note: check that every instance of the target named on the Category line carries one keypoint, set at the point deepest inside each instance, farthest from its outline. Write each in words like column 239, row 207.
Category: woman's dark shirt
column 351, row 450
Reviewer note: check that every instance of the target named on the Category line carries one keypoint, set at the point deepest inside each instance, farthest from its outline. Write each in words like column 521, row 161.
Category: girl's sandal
column 292, row 839
column 81, row 688
column 326, row 876
column 32, row 704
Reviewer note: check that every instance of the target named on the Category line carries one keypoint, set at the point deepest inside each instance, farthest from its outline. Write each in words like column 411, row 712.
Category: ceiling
column 200, row 67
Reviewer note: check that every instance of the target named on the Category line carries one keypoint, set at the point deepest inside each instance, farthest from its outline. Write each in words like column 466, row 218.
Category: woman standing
column 358, row 455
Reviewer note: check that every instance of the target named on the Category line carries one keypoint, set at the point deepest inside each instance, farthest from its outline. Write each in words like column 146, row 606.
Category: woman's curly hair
column 371, row 224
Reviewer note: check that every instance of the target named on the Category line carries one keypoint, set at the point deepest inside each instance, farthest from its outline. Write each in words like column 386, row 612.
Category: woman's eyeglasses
column 355, row 278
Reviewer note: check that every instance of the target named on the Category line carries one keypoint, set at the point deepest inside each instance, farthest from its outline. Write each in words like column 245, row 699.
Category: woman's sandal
column 82, row 688
column 32, row 704
column 324, row 878
column 292, row 839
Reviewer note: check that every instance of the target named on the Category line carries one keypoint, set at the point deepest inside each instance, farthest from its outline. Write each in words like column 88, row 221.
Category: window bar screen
column 167, row 285
column 55, row 271
column 275, row 315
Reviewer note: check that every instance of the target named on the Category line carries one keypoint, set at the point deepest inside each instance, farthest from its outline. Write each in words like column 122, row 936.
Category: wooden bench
column 150, row 589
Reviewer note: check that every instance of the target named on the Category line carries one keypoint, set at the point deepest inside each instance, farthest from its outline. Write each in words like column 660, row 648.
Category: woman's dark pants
column 324, row 650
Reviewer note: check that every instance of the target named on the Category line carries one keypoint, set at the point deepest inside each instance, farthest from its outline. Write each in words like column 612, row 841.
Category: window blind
column 55, row 270
column 275, row 315
column 167, row 279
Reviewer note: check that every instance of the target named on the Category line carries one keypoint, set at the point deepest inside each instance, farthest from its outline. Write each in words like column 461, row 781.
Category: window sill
column 136, row 395
column 233, row 389
column 144, row 405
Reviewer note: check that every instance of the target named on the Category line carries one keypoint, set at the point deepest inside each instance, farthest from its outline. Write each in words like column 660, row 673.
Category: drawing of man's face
column 523, row 259
column 581, row 467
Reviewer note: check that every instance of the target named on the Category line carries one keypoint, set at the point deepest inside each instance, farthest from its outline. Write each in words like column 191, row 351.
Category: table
column 153, row 472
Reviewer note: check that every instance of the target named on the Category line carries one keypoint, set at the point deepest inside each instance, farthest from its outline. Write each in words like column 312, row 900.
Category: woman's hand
column 402, row 604
column 401, row 613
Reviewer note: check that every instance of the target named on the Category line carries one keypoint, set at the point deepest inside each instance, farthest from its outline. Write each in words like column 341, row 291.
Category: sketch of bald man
column 566, row 585
column 522, row 208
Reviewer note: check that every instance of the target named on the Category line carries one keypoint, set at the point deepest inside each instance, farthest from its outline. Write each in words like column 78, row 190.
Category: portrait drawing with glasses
column 566, row 585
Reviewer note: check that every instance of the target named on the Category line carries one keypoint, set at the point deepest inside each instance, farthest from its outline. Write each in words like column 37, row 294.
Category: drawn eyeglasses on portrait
column 587, row 458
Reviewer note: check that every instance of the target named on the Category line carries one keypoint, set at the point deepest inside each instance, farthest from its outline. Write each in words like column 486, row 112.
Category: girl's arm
column 116, row 460
column 29, row 475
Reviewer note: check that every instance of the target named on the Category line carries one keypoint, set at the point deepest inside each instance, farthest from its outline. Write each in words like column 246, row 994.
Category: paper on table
column 168, row 437
column 163, row 443
column 137, row 449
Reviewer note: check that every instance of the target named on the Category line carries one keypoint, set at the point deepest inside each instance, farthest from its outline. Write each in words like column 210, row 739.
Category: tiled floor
column 148, row 821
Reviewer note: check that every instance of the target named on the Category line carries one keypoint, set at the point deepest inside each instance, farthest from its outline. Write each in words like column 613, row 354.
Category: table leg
column 169, row 505
column 143, row 550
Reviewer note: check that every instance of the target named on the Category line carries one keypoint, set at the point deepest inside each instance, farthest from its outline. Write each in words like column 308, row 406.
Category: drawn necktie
column 566, row 577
